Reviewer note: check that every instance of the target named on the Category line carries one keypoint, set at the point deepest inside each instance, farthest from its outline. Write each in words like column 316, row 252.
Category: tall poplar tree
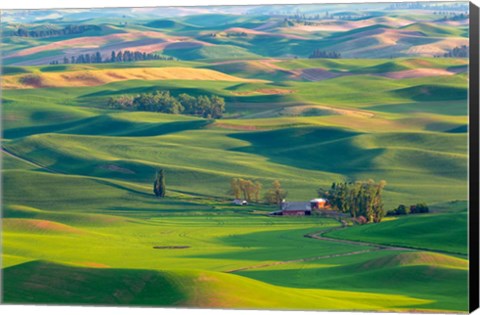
column 159, row 187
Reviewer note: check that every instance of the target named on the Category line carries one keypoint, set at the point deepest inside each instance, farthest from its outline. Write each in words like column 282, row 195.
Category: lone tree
column 159, row 186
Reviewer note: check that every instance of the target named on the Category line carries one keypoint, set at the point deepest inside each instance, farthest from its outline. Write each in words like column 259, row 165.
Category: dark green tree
column 188, row 102
column 217, row 106
column 98, row 57
column 419, row 208
column 159, row 186
column 402, row 210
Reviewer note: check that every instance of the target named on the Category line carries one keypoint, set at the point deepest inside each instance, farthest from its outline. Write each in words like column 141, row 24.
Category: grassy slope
column 183, row 288
column 110, row 159
column 387, row 153
column 436, row 277
column 443, row 232
column 218, row 243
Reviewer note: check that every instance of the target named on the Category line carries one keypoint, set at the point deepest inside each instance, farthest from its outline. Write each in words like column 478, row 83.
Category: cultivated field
column 81, row 224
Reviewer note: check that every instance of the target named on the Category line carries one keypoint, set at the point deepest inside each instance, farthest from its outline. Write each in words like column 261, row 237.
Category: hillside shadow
column 46, row 282
column 313, row 148
column 430, row 93
column 107, row 126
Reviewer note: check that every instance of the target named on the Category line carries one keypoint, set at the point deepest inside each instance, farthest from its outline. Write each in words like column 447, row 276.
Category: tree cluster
column 452, row 16
column 163, row 102
column 276, row 194
column 317, row 53
column 250, row 190
column 359, row 199
column 457, row 52
column 245, row 189
column 404, row 210
column 237, row 34
column 50, row 32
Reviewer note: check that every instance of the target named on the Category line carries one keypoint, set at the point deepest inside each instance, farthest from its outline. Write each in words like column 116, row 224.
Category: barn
column 296, row 208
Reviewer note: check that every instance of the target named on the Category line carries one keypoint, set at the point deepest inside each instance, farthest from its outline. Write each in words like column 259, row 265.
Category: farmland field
column 311, row 98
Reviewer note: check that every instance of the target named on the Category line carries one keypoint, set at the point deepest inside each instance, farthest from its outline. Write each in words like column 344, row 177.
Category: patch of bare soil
column 171, row 247
column 265, row 91
column 235, row 127
column 95, row 265
column 32, row 80
column 317, row 74
column 274, row 91
column 417, row 73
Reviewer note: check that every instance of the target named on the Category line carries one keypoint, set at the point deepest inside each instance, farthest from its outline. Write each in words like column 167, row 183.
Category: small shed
column 240, row 202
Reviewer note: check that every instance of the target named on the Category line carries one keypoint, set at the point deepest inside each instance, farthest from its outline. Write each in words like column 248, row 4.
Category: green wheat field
column 312, row 95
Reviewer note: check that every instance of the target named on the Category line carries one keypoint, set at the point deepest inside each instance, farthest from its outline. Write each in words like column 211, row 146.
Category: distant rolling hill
column 240, row 36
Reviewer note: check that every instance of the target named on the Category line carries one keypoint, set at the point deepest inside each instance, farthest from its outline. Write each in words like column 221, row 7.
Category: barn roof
column 296, row 206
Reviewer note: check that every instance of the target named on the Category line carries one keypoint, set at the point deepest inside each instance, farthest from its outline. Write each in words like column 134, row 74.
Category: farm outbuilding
column 240, row 202
column 319, row 204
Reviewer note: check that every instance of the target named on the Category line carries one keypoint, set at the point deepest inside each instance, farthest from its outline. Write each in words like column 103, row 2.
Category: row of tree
column 162, row 101
column 427, row 6
column 317, row 53
column 115, row 56
column 50, row 32
column 251, row 191
column 452, row 16
column 306, row 19
column 404, row 210
column 359, row 199
column 231, row 34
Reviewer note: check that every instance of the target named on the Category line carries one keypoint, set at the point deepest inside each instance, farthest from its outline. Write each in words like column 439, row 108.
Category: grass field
column 81, row 224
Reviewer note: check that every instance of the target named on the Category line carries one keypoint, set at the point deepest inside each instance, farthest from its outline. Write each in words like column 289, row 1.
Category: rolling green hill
column 183, row 288
column 431, row 275
column 443, row 232
column 81, row 224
